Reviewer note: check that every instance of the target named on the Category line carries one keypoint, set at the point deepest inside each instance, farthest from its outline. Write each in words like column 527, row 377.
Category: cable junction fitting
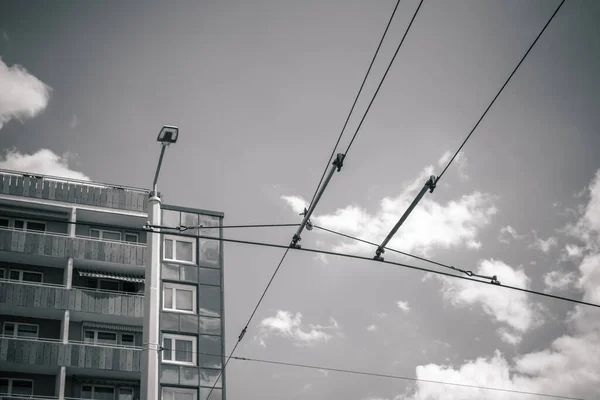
column 429, row 185
column 337, row 164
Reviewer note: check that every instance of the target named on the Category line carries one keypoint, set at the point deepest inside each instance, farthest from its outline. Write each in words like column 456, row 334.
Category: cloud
column 504, row 306
column 573, row 251
column 403, row 305
column 460, row 161
column 22, row 96
column 559, row 280
column 509, row 233
column 288, row 325
column 544, row 245
column 430, row 225
column 569, row 367
column 74, row 122
column 43, row 162
column 372, row 328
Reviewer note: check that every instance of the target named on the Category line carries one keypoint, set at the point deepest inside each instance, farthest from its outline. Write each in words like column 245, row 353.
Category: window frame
column 137, row 237
column 3, row 271
column 10, row 384
column 175, row 239
column 174, row 389
column 7, row 222
column 21, row 271
column 180, row 286
column 16, row 325
column 114, row 389
column 174, row 337
column 95, row 342
column 101, row 232
column 125, row 388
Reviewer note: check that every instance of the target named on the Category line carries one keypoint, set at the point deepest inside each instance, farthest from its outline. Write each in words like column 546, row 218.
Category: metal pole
column 430, row 184
column 338, row 163
column 150, row 353
column 160, row 159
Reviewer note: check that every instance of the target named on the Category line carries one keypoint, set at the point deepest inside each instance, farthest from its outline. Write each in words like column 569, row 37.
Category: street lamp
column 167, row 135
column 149, row 382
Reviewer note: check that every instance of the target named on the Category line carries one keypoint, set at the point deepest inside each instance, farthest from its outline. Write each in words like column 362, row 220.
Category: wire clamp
column 339, row 161
column 495, row 280
column 431, row 183
column 242, row 334
column 295, row 241
column 378, row 254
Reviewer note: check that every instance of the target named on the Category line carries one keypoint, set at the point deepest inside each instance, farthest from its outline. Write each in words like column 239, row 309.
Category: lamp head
column 168, row 134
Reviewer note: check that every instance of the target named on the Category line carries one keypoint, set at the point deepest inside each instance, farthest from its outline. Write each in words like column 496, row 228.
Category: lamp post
column 150, row 354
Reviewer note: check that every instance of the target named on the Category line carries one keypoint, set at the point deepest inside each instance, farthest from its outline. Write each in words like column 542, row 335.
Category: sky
column 260, row 90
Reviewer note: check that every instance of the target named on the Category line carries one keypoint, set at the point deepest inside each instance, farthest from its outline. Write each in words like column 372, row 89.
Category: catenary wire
column 500, row 91
column 373, row 374
column 355, row 101
column 409, row 266
column 383, row 78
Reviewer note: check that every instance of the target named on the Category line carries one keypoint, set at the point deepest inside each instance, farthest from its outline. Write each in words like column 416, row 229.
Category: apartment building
column 73, row 263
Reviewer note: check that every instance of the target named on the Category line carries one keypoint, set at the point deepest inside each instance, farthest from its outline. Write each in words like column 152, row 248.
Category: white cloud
column 559, row 280
column 382, row 315
column 403, row 305
column 430, row 225
column 509, row 337
column 573, row 251
column 372, row 328
column 74, row 121
column 22, row 96
column 504, row 306
column 288, row 325
column 43, row 162
column 544, row 245
column 509, row 233
column 322, row 258
column 570, row 367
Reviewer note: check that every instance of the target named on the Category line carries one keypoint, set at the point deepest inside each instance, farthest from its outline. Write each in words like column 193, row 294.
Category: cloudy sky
column 260, row 90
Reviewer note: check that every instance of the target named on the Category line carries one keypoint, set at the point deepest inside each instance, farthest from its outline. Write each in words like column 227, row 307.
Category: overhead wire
column 362, row 85
column 371, row 374
column 500, row 91
column 393, row 263
column 337, row 164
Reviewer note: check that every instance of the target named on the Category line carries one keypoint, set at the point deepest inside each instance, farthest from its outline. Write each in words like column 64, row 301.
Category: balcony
column 15, row 183
column 47, row 353
column 45, row 299
column 33, row 243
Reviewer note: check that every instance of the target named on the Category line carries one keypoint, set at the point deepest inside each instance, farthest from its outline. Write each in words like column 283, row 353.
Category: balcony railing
column 73, row 191
column 53, row 353
column 58, row 245
column 57, row 297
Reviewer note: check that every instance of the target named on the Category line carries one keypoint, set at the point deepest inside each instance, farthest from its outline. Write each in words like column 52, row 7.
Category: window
column 127, row 339
column 4, row 222
column 179, row 349
column 178, row 297
column 125, row 393
column 111, row 284
column 100, row 337
column 132, row 237
column 18, row 329
column 98, row 392
column 181, row 249
column 30, row 225
column 16, row 386
column 105, row 235
column 25, row 276
column 169, row 393
column 2, row 271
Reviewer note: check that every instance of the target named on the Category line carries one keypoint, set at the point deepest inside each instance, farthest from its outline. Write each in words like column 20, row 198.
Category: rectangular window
column 177, row 297
column 4, row 222
column 2, row 272
column 179, row 349
column 16, row 386
column 103, row 234
column 25, row 276
column 180, row 249
column 127, row 339
column 106, row 284
column 97, row 392
column 125, row 394
column 169, row 393
column 18, row 329
column 30, row 225
column 132, row 237
column 100, row 337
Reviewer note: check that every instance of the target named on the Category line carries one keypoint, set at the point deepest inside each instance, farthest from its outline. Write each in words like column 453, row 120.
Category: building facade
column 73, row 265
